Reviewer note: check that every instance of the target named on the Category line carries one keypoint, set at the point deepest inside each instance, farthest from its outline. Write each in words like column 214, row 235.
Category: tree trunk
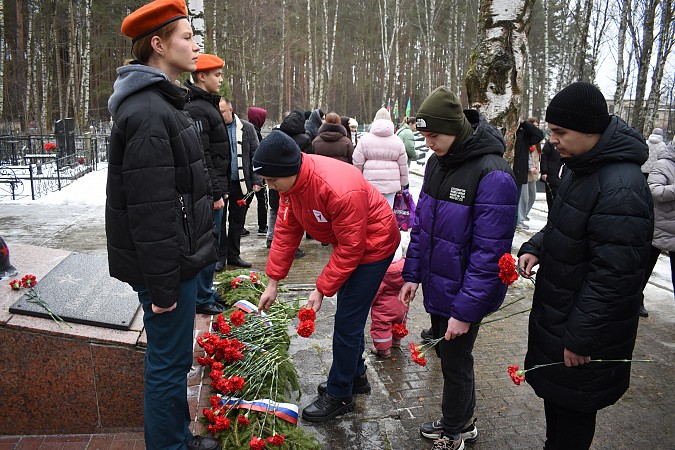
column 621, row 71
column 282, row 63
column 310, row 60
column 29, row 110
column 86, row 63
column 666, row 38
column 196, row 8
column 2, row 58
column 20, row 48
column 495, row 78
column 643, row 51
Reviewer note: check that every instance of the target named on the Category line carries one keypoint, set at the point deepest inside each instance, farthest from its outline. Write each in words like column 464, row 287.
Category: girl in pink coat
column 381, row 156
column 387, row 310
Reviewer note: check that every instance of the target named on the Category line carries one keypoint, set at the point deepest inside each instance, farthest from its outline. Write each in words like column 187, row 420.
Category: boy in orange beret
column 202, row 105
column 159, row 223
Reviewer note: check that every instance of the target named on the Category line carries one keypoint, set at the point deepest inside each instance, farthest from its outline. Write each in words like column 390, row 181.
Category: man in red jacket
column 334, row 203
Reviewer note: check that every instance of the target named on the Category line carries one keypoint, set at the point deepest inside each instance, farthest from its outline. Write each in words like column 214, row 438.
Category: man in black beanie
column 592, row 255
column 331, row 200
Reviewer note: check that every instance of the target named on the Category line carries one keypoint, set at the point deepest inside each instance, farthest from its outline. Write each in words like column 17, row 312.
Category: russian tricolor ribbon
column 249, row 308
column 285, row 411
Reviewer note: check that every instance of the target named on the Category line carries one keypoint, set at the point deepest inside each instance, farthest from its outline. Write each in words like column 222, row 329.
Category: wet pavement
column 405, row 394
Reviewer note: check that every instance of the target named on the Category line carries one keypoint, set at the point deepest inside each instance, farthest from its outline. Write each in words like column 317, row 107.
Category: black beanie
column 277, row 156
column 579, row 107
column 442, row 112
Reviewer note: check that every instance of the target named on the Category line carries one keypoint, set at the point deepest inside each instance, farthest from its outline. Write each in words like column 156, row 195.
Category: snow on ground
column 89, row 190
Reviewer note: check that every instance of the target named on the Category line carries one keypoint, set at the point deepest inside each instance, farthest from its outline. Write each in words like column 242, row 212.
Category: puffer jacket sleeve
column 204, row 127
column 358, row 158
column 349, row 220
column 150, row 187
column 493, row 227
column 662, row 190
column 288, row 233
column 403, row 166
column 411, row 268
column 619, row 230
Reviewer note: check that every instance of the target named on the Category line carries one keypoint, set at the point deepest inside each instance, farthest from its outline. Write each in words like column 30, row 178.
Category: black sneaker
column 434, row 430
column 245, row 232
column 360, row 385
column 326, row 407
column 299, row 254
column 203, row 443
column 643, row 311
column 262, row 231
column 426, row 335
column 448, row 443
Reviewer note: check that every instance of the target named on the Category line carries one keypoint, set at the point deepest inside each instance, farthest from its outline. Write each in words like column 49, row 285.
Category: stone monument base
column 65, row 378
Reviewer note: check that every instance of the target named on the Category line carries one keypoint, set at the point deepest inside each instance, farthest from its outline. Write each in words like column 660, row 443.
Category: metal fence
column 33, row 166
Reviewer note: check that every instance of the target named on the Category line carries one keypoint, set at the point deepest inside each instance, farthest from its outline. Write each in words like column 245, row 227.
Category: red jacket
column 334, row 203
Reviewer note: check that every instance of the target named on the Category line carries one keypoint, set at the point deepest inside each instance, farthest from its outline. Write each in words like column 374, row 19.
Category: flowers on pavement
column 518, row 375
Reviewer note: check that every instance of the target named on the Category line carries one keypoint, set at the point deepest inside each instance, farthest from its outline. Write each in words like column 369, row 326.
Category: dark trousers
column 261, row 196
column 354, row 299
column 651, row 262
column 205, row 277
column 567, row 429
column 230, row 237
column 168, row 358
column 459, row 387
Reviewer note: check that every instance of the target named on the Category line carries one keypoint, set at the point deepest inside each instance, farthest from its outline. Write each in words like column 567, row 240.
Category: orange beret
column 153, row 16
column 206, row 62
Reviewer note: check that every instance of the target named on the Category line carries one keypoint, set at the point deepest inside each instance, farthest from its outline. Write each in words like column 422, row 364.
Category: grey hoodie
column 132, row 78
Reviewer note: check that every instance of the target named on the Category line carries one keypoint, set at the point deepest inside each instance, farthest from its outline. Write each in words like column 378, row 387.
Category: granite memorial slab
column 80, row 290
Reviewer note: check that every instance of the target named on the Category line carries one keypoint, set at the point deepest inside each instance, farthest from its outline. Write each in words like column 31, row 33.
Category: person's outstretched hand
column 268, row 297
column 526, row 262
column 407, row 293
column 315, row 300
column 159, row 310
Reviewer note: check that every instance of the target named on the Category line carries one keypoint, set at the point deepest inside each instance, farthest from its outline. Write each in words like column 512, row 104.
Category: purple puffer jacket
column 465, row 223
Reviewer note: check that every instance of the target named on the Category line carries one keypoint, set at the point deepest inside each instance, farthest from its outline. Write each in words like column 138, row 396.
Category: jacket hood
column 132, row 78
column 257, row 116
column 195, row 92
column 382, row 127
column 655, row 139
column 332, row 131
column 315, row 117
column 666, row 152
column 618, row 142
column 294, row 123
column 484, row 140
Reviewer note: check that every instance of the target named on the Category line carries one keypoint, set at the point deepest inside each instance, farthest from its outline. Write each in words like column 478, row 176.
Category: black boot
column 426, row 335
column 326, row 407
column 360, row 385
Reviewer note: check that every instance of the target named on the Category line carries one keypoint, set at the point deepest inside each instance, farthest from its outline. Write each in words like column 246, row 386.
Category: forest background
column 58, row 57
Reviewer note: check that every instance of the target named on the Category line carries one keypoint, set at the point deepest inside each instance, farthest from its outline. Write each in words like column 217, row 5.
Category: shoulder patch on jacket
column 319, row 216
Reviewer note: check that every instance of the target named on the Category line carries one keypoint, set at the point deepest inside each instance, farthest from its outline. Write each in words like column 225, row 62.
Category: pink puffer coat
column 381, row 156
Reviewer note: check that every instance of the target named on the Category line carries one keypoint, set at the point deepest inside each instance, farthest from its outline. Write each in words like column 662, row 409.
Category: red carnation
column 15, row 284
column 277, row 439
column 257, row 443
column 507, row 269
column 223, row 326
column 236, row 282
column 518, row 376
column 306, row 328
column 242, row 202
column 237, row 318
column 255, row 279
column 28, row 281
column 243, row 420
column 307, row 314
column 234, row 384
column 399, row 331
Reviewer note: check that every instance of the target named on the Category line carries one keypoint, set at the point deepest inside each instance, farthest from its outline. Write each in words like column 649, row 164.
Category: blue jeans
column 205, row 277
column 168, row 359
column 354, row 300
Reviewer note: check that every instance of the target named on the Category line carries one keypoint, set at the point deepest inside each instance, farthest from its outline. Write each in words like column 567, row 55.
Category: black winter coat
column 203, row 108
column 550, row 164
column 526, row 136
column 294, row 126
column 159, row 220
column 592, row 254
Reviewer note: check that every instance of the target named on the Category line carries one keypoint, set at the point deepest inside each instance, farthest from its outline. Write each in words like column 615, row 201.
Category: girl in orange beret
column 159, row 221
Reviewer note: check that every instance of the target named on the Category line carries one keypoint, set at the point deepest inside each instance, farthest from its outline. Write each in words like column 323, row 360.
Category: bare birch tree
column 643, row 42
column 85, row 61
column 390, row 23
column 495, row 78
column 665, row 41
column 622, row 70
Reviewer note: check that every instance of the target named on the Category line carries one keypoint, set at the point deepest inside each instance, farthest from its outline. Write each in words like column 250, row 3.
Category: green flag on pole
column 407, row 108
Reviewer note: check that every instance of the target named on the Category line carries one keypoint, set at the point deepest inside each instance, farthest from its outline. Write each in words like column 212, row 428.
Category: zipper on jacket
column 186, row 224
column 431, row 238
